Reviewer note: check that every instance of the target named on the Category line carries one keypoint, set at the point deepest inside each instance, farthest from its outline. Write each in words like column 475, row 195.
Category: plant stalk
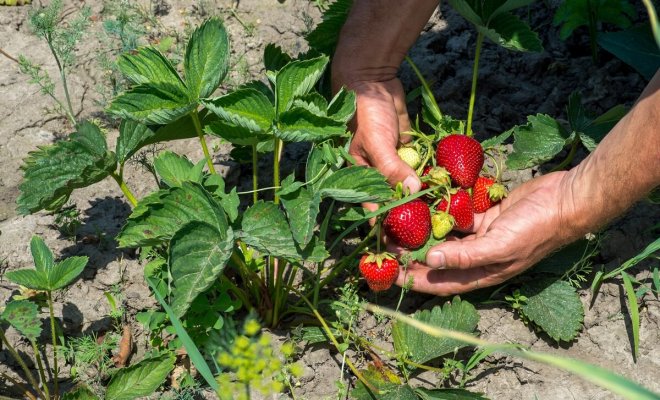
column 122, row 185
column 20, row 361
column 592, row 32
column 255, row 176
column 40, row 365
column 56, row 370
column 202, row 141
column 277, row 154
column 569, row 157
column 60, row 67
column 475, row 75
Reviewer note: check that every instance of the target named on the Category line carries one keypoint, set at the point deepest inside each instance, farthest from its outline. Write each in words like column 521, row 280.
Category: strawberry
column 441, row 223
column 486, row 193
column 409, row 156
column 409, row 225
column 460, row 207
column 462, row 156
column 379, row 270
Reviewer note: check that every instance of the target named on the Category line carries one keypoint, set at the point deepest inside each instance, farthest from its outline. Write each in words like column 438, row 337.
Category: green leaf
column 497, row 140
column 141, row 379
column 512, row 33
column 275, row 58
column 300, row 125
column 29, row 278
column 318, row 167
column 538, row 141
column 467, row 11
column 264, row 227
column 158, row 216
column 601, row 126
column 312, row 102
column 65, row 272
column 420, row 347
column 356, row 184
column 633, row 311
column 53, row 172
column 302, row 207
column 41, row 254
column 572, row 14
column 343, row 105
column 247, row 108
column 198, row 255
column 131, row 136
column 636, row 47
column 23, row 315
column 148, row 65
column 236, row 134
column 500, row 7
column 80, row 393
column 325, row 36
column 448, row 394
column 174, row 169
column 296, row 79
column 566, row 258
column 553, row 306
column 152, row 103
column 207, row 58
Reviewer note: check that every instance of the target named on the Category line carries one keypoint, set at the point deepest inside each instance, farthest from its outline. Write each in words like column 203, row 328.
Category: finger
column 448, row 282
column 387, row 161
column 469, row 253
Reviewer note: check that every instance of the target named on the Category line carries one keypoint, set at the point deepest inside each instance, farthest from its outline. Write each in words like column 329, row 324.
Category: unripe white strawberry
column 409, row 156
column 441, row 224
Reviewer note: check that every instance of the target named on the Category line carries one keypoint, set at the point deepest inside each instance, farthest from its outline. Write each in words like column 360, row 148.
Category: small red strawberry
column 379, row 270
column 462, row 156
column 409, row 225
column 486, row 193
column 460, row 207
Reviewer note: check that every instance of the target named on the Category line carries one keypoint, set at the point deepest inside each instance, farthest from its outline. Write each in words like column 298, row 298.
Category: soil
column 511, row 86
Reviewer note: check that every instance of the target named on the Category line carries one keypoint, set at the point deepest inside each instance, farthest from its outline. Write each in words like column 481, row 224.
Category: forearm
column 376, row 38
column 623, row 168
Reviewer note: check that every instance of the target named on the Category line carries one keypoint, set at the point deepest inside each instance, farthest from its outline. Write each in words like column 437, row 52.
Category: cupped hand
column 509, row 238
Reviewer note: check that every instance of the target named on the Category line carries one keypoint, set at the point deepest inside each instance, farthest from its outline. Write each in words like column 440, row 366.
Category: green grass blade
column 633, row 310
column 193, row 352
column 600, row 376
column 653, row 17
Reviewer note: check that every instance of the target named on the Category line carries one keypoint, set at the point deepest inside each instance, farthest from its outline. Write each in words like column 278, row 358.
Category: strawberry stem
column 473, row 91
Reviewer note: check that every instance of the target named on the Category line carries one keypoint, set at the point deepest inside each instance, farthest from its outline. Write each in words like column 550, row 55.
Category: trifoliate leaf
column 356, row 184
column 132, row 135
column 153, row 103
column 297, row 79
column 174, row 169
column 301, row 125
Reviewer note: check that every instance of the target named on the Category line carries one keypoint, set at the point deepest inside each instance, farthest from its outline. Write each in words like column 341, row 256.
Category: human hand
column 380, row 118
column 506, row 240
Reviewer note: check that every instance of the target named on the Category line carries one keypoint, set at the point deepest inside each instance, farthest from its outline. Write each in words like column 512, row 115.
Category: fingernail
column 436, row 259
column 412, row 183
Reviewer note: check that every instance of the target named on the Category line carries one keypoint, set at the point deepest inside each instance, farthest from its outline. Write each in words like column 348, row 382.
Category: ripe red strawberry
column 462, row 156
column 486, row 193
column 409, row 225
column 379, row 270
column 460, row 207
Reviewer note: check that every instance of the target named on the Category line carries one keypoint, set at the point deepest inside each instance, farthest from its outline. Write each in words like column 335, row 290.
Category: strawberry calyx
column 378, row 258
column 497, row 192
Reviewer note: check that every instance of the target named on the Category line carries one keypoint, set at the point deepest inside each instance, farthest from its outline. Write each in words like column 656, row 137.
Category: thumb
column 467, row 253
column 387, row 161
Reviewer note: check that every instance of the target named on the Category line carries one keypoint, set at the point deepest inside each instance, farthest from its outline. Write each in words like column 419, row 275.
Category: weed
column 90, row 356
